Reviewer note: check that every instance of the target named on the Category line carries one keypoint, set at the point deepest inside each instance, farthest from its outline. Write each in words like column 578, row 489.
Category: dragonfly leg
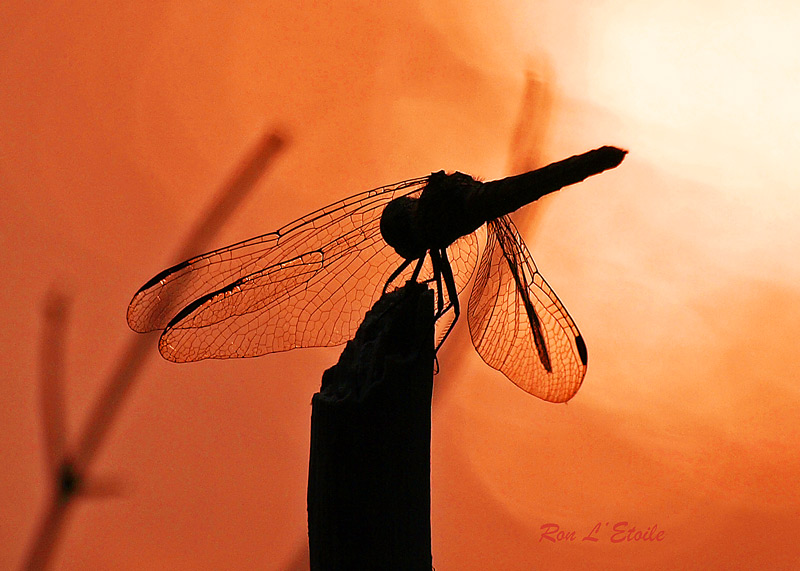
column 396, row 273
column 402, row 267
column 418, row 268
column 436, row 262
column 452, row 293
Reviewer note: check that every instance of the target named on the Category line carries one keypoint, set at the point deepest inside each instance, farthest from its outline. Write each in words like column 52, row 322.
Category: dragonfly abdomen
column 454, row 205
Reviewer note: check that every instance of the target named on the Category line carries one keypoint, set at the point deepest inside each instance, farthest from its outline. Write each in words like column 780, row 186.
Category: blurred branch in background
column 529, row 139
column 54, row 421
column 68, row 467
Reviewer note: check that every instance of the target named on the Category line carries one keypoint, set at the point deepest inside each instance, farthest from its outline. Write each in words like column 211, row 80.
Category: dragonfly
column 310, row 283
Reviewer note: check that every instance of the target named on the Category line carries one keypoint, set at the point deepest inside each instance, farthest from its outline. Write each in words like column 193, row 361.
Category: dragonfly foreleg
column 399, row 270
column 396, row 273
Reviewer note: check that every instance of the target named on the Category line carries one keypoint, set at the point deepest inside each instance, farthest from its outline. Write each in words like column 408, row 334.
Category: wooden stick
column 369, row 471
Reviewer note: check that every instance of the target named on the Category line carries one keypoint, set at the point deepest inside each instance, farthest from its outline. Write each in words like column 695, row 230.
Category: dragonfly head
column 400, row 230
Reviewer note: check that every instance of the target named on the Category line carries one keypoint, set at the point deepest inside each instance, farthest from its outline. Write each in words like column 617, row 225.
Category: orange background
column 681, row 268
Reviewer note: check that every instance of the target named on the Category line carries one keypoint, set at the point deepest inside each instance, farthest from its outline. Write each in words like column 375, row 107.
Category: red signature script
column 620, row 532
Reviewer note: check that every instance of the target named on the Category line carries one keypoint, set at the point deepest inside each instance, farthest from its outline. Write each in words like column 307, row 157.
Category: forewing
column 517, row 323
column 307, row 285
column 160, row 299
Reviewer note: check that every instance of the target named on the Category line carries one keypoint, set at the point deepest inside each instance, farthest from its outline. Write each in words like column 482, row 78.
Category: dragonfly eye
column 399, row 227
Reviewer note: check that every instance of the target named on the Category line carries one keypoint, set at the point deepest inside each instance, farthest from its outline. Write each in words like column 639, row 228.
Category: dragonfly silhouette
column 310, row 283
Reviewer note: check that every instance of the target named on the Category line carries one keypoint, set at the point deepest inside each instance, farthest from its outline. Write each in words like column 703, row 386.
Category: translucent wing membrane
column 307, row 285
column 517, row 323
column 157, row 302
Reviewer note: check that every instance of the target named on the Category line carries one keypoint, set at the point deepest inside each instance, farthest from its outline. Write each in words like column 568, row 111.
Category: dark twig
column 52, row 381
column 70, row 473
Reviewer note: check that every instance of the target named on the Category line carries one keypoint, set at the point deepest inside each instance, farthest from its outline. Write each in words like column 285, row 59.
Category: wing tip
column 133, row 316
column 583, row 352
column 171, row 345
column 168, row 351
column 140, row 319
column 165, row 273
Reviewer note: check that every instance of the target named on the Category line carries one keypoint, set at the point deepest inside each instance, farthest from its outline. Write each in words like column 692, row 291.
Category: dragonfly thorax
column 399, row 228
column 443, row 213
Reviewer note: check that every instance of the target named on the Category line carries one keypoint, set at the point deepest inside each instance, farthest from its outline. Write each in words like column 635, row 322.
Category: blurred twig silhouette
column 68, row 467
column 530, row 135
column 56, row 308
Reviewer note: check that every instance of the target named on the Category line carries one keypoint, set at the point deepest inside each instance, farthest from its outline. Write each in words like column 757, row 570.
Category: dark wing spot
column 582, row 349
